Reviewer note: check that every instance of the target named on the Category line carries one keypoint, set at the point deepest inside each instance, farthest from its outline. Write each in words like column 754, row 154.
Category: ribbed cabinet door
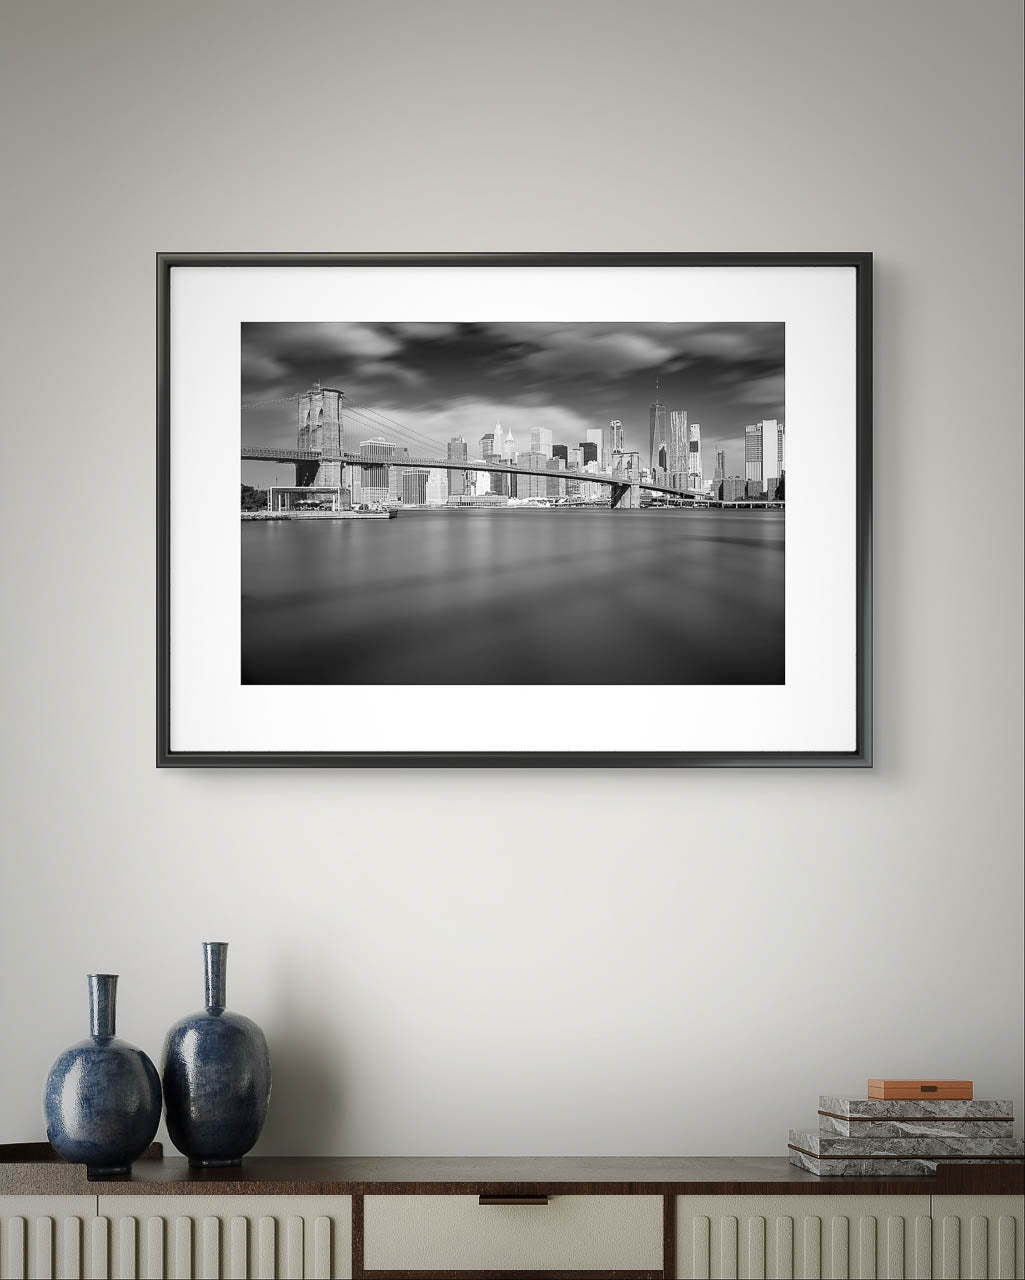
column 229, row 1237
column 803, row 1238
column 977, row 1237
column 45, row 1236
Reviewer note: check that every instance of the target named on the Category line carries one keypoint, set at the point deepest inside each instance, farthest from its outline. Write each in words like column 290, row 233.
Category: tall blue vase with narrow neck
column 216, row 1072
column 102, row 1096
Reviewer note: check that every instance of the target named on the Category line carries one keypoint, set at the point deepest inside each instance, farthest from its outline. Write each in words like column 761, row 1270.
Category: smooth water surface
column 516, row 597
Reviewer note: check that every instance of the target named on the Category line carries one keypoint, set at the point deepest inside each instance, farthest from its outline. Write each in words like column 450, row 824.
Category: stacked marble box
column 872, row 1137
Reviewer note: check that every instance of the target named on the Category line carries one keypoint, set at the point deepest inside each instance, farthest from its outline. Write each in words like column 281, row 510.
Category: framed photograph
column 514, row 510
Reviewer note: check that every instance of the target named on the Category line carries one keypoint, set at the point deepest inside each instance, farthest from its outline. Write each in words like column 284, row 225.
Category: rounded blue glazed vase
column 216, row 1071
column 102, row 1096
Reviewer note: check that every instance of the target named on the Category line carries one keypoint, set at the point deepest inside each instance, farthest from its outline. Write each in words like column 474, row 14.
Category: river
column 516, row 597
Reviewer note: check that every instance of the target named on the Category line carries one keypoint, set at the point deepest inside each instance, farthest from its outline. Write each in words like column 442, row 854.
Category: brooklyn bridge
column 624, row 487
column 321, row 454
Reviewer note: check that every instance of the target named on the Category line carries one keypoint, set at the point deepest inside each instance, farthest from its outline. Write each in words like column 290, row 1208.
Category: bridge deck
column 611, row 479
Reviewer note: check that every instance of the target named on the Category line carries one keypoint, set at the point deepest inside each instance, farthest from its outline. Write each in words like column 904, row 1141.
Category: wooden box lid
column 920, row 1089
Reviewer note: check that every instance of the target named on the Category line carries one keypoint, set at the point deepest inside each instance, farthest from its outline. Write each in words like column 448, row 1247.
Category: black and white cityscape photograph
column 512, row 504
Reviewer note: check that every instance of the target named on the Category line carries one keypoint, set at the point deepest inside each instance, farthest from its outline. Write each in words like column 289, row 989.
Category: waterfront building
column 413, row 486
column 694, row 470
column 732, row 489
column 656, row 428
column 457, row 452
column 615, row 437
column 676, row 443
column 596, row 436
column 541, row 441
column 720, row 473
column 772, row 452
column 590, row 491
column 754, row 489
column 574, row 462
column 306, row 498
column 588, row 452
column 437, row 486
column 561, row 451
column 477, row 500
column 478, row 483
column 753, row 452
column 556, row 487
column 319, row 426
column 763, row 451
column 379, row 479
column 533, row 486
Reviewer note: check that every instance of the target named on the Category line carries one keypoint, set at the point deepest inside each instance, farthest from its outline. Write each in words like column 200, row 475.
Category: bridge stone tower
column 626, row 467
column 319, row 427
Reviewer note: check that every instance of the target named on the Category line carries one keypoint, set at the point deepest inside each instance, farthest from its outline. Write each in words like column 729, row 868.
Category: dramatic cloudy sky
column 443, row 380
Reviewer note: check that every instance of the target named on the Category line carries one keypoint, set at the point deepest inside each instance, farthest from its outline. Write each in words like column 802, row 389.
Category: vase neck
column 102, row 1005
column 215, row 956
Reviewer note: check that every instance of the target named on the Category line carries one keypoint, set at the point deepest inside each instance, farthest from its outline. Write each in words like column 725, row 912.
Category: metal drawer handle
column 512, row 1199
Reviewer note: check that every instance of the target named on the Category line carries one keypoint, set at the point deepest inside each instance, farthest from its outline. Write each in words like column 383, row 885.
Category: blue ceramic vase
column 102, row 1097
column 216, row 1076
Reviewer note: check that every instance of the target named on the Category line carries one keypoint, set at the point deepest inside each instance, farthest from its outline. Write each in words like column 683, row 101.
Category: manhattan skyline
column 446, row 379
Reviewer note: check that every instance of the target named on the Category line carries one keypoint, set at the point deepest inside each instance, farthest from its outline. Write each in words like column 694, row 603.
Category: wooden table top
column 35, row 1169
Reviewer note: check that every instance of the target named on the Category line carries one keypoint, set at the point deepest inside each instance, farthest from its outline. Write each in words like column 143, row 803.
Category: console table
column 412, row 1218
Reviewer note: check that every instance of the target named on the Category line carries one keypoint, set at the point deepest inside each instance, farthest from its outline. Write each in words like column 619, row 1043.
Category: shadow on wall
column 307, row 1062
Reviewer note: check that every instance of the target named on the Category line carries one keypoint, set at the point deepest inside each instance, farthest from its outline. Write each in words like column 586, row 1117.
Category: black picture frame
column 859, row 757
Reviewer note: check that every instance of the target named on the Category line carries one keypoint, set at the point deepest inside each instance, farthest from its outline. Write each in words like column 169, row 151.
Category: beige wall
column 432, row 976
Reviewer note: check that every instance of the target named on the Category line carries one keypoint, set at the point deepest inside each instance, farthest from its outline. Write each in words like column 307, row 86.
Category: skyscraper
column 720, row 464
column 695, row 474
column 533, row 486
column 487, row 445
column 508, row 446
column 413, row 486
column 615, row 436
column 457, row 453
column 588, row 451
column 772, row 453
column 497, row 443
column 597, row 437
column 541, row 441
column 753, row 452
column 437, row 486
column 676, row 453
column 561, row 451
column 763, row 452
column 656, row 428
column 556, row 487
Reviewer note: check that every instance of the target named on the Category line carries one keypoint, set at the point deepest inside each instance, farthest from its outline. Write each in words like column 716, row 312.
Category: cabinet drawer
column 155, row 1237
column 978, row 1236
column 812, row 1236
column 575, row 1234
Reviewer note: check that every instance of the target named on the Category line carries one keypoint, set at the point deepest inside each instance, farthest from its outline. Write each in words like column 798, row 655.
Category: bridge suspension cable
column 378, row 421
column 374, row 427
column 258, row 404
column 374, row 421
